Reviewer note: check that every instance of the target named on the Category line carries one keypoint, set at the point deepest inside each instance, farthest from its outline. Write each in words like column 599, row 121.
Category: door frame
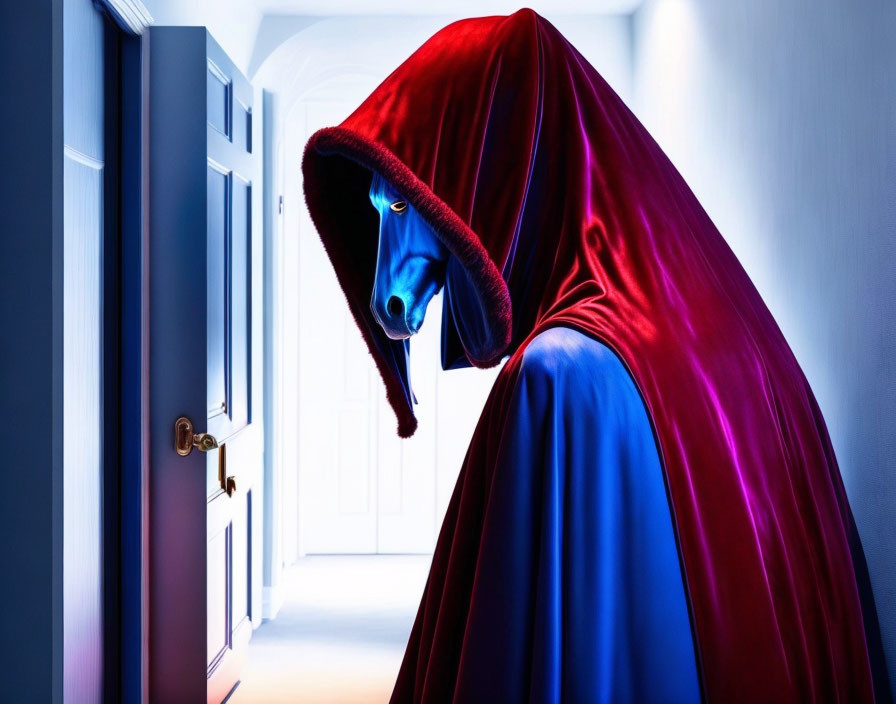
column 31, row 519
column 126, row 376
column 31, row 436
column 31, row 261
column 134, row 379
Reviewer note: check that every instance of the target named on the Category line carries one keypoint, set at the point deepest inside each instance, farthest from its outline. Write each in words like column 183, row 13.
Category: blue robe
column 578, row 593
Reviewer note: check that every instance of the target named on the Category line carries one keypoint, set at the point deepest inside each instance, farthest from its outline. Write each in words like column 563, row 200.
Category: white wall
column 782, row 118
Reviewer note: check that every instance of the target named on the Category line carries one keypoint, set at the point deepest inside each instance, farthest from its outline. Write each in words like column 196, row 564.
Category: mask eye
column 399, row 206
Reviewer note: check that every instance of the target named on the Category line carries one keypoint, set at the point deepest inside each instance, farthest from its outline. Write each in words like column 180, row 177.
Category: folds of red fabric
column 562, row 210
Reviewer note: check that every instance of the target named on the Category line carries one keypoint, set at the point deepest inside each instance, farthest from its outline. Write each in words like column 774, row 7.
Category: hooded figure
column 650, row 508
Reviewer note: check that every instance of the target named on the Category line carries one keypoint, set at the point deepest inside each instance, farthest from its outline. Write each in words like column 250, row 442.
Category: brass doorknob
column 185, row 439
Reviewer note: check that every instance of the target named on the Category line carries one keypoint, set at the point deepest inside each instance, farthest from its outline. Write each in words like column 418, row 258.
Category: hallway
column 340, row 634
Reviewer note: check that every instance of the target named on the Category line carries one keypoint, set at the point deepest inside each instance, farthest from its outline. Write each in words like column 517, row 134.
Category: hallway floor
column 340, row 634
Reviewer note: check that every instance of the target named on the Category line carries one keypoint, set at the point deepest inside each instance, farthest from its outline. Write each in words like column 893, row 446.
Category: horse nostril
column 395, row 306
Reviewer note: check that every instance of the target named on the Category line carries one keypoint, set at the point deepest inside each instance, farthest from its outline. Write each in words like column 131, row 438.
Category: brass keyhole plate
column 183, row 436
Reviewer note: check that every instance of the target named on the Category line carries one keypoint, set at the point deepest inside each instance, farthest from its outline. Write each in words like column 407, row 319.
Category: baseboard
column 271, row 601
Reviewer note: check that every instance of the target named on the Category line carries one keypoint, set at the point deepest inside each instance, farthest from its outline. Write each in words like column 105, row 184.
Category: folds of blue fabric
column 557, row 578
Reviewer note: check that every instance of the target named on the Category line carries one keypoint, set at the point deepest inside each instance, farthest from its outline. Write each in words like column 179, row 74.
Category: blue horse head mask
column 410, row 267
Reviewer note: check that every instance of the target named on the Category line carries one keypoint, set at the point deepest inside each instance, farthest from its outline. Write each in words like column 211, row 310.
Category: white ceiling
column 442, row 7
column 250, row 29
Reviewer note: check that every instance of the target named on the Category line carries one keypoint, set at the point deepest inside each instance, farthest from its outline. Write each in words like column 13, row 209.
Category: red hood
column 562, row 209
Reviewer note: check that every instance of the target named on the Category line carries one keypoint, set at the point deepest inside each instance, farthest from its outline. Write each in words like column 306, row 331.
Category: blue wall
column 782, row 118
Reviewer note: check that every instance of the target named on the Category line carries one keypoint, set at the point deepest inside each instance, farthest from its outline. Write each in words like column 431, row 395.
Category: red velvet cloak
column 562, row 210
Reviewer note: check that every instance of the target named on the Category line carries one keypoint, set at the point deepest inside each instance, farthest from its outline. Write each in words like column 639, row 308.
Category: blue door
column 205, row 373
